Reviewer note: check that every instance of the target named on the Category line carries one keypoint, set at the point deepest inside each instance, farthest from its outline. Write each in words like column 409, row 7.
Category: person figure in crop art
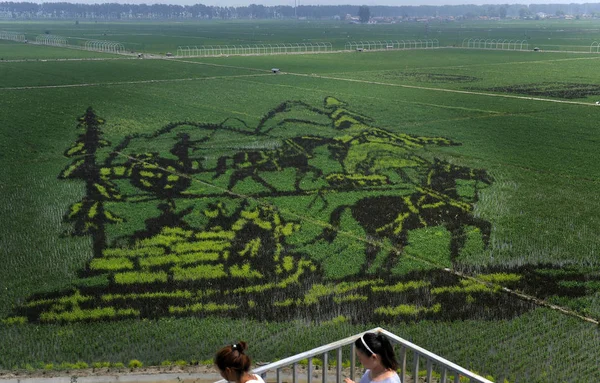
column 234, row 364
column 376, row 354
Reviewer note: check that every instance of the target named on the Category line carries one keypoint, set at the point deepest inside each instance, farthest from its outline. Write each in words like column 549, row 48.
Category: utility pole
column 296, row 9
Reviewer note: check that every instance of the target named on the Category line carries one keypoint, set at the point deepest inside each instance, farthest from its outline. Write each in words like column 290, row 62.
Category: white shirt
column 366, row 378
column 257, row 379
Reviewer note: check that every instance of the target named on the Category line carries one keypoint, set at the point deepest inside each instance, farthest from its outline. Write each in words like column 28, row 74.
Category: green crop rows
column 166, row 201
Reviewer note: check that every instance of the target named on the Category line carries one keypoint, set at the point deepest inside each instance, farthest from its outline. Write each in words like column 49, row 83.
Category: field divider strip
column 523, row 62
column 471, row 65
column 442, row 89
column 489, row 113
column 68, row 59
column 129, row 82
column 517, row 294
column 221, row 65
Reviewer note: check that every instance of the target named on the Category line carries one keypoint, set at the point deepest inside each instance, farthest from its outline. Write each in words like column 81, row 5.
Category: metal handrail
column 446, row 367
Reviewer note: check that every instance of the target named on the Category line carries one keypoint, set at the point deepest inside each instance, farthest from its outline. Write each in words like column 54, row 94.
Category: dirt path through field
column 137, row 82
column 444, row 90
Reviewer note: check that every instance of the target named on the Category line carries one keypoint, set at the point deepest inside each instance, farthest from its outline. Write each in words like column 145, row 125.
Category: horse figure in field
column 430, row 193
column 435, row 202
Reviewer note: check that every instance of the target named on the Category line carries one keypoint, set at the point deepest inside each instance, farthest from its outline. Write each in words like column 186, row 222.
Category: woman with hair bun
column 234, row 365
column 376, row 354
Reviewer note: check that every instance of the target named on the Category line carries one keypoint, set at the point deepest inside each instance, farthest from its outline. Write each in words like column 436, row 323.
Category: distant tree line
column 26, row 10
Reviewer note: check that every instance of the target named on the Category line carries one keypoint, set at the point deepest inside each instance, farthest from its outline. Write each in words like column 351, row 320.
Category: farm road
column 72, row 59
column 517, row 62
column 128, row 82
column 444, row 90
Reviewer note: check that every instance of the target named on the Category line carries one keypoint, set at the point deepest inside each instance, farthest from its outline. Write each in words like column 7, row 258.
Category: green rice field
column 155, row 209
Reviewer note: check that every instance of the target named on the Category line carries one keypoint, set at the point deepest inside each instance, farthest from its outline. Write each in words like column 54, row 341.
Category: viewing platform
column 414, row 361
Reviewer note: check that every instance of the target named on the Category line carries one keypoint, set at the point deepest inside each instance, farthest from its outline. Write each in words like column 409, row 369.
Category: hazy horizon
column 241, row 3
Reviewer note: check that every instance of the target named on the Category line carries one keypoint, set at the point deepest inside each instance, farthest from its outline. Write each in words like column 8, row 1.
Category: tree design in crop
column 89, row 216
column 315, row 211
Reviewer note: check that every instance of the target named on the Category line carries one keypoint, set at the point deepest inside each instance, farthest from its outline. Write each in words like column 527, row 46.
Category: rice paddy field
column 156, row 209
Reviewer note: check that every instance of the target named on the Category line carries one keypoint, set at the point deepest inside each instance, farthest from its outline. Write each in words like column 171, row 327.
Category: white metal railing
column 495, row 44
column 391, row 44
column 14, row 36
column 57, row 41
column 104, row 46
column 255, row 49
column 410, row 354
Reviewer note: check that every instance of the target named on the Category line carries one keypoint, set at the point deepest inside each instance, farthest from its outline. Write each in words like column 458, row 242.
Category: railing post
column 443, row 378
column 325, row 366
column 429, row 367
column 310, row 367
column 279, row 375
column 338, row 365
column 352, row 361
column 403, row 363
column 295, row 373
column 415, row 367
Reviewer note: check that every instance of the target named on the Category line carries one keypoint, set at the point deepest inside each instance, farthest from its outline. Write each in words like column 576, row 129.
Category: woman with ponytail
column 234, row 364
column 376, row 354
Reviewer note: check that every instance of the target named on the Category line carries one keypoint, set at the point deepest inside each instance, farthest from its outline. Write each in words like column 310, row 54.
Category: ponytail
column 370, row 343
column 233, row 357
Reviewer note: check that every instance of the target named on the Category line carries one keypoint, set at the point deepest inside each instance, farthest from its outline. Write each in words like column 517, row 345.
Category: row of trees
column 170, row 11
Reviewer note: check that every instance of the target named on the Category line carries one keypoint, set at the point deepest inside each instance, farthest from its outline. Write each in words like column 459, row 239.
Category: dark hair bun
column 227, row 357
column 240, row 346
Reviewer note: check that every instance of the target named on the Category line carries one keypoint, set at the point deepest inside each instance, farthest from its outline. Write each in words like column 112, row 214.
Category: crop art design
column 313, row 213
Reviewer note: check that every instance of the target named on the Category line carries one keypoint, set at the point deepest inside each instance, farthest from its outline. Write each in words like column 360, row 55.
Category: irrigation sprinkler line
column 129, row 82
column 443, row 90
column 517, row 294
